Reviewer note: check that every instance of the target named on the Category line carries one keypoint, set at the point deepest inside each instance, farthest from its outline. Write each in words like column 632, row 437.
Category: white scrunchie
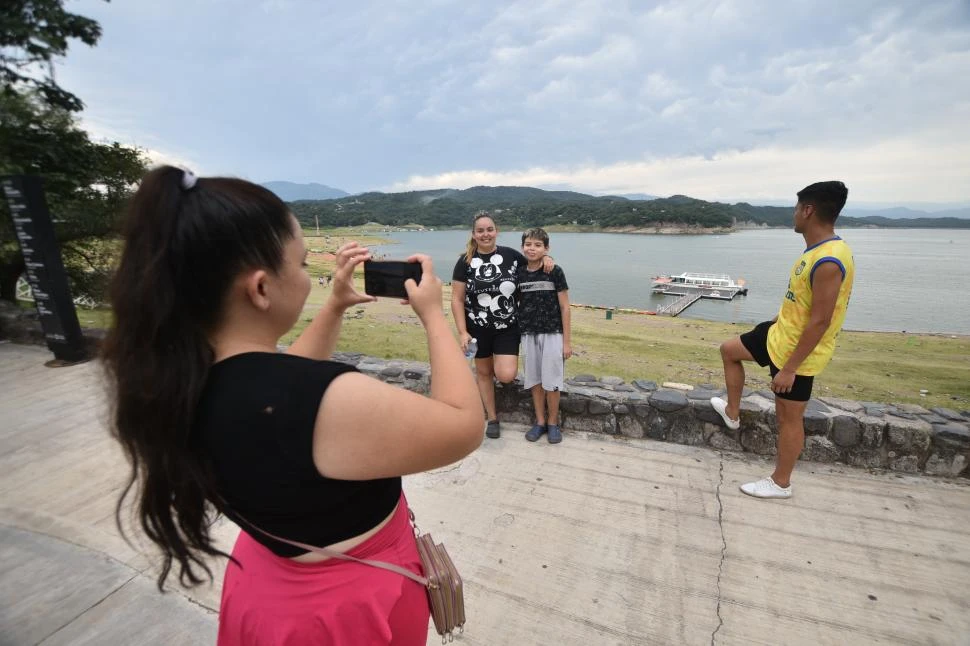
column 188, row 179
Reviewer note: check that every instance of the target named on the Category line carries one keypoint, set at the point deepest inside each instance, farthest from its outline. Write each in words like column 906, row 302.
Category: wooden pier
column 691, row 287
column 689, row 298
column 679, row 305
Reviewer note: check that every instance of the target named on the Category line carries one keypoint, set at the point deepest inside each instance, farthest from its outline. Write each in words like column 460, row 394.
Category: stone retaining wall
column 20, row 325
column 900, row 437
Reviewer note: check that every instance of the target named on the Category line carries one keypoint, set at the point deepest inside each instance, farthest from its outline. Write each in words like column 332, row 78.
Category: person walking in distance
column 799, row 342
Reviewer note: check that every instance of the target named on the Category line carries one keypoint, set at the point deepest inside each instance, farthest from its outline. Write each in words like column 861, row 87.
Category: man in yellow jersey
column 799, row 342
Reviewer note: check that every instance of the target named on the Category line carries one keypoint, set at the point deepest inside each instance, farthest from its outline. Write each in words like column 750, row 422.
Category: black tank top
column 255, row 424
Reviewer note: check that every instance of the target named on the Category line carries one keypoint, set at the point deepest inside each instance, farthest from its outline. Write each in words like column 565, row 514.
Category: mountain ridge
column 293, row 191
column 527, row 206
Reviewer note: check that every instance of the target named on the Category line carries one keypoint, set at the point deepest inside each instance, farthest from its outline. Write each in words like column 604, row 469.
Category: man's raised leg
column 733, row 353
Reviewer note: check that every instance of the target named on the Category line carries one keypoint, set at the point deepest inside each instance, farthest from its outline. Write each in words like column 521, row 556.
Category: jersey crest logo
column 800, row 268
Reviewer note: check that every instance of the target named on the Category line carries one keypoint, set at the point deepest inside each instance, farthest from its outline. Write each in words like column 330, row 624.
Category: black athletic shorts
column 756, row 342
column 495, row 341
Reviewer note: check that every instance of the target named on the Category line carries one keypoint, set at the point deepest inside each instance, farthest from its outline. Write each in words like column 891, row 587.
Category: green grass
column 98, row 318
column 330, row 240
column 868, row 366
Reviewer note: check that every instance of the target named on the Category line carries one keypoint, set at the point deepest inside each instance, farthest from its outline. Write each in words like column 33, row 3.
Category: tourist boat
column 711, row 285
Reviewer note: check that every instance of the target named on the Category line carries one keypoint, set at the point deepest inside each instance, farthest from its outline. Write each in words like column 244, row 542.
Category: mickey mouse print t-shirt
column 490, row 280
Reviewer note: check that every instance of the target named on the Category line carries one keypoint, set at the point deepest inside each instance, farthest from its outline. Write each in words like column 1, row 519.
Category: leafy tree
column 33, row 33
column 86, row 182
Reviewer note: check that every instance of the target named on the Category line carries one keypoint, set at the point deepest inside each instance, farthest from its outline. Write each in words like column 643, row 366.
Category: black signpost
column 45, row 270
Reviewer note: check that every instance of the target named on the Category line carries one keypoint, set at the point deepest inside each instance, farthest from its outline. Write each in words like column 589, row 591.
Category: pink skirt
column 268, row 600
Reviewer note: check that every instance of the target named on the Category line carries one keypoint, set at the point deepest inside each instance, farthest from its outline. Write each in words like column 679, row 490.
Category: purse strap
column 323, row 551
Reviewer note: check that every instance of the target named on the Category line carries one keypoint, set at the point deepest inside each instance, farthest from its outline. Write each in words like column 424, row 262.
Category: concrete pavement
column 595, row 541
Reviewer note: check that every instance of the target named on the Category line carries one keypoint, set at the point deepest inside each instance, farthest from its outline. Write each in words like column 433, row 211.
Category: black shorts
column 756, row 342
column 495, row 341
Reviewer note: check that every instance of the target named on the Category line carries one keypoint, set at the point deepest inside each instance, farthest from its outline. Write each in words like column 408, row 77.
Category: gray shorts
column 542, row 356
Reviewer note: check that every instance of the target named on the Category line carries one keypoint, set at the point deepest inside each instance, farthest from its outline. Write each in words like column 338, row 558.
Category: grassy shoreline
column 868, row 366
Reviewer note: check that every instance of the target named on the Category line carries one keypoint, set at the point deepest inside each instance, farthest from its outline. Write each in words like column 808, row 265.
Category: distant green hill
column 515, row 206
column 290, row 191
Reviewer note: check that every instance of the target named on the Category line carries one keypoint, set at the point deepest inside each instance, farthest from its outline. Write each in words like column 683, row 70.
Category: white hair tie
column 188, row 180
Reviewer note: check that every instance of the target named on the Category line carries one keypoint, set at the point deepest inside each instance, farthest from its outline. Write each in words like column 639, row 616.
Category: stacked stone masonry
column 900, row 437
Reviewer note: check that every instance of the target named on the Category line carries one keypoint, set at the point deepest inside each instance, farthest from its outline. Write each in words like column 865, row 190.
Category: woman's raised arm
column 367, row 429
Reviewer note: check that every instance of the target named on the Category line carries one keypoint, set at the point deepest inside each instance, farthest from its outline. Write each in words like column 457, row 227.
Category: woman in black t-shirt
column 291, row 446
column 483, row 303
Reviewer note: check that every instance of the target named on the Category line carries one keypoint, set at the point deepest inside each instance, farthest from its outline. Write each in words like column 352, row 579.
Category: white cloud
column 358, row 95
column 156, row 156
column 879, row 172
column 660, row 86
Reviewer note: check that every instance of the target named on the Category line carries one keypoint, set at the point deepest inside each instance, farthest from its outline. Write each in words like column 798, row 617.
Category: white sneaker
column 766, row 488
column 721, row 407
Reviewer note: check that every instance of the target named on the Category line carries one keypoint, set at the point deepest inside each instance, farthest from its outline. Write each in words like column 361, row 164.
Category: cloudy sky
column 733, row 99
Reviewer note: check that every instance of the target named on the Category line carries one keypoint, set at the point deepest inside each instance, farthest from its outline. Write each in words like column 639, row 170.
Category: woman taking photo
column 483, row 303
column 214, row 419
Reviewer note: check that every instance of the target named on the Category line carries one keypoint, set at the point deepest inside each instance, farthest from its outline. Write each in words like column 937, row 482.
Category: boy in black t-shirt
column 546, row 334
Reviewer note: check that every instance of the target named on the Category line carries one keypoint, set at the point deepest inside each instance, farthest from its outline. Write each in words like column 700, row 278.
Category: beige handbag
column 441, row 579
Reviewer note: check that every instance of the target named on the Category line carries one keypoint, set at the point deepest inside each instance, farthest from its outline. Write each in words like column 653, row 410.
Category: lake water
column 915, row 280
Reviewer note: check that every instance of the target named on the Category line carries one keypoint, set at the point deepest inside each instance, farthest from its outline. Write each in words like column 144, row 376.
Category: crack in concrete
column 86, row 610
column 212, row 611
column 720, row 564
column 57, row 536
column 450, row 469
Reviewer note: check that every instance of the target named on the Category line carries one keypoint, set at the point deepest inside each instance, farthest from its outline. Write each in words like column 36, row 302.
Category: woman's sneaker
column 535, row 432
column 492, row 429
column 766, row 488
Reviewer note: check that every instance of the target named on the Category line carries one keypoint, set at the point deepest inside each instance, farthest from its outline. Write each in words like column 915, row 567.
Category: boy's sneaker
column 555, row 435
column 492, row 429
column 535, row 432
column 766, row 488
column 721, row 407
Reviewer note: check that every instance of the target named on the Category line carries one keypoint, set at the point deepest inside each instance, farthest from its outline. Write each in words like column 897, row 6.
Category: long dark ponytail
column 185, row 241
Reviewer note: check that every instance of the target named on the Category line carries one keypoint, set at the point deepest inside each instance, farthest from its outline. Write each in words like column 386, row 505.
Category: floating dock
column 691, row 287
column 679, row 305
column 689, row 298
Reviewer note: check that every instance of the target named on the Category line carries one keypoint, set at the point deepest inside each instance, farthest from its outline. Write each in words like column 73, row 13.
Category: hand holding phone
column 386, row 277
column 349, row 256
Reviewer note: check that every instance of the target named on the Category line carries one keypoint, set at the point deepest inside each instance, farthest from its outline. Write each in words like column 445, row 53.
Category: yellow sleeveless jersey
column 796, row 309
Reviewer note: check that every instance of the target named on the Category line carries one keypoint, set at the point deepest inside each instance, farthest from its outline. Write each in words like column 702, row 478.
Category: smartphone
column 386, row 277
